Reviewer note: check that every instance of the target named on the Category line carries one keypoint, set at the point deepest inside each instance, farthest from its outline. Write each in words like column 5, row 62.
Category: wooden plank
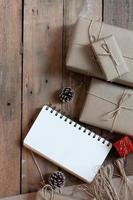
column 30, row 196
column 10, row 96
column 78, row 82
column 42, row 75
column 71, row 10
column 119, row 13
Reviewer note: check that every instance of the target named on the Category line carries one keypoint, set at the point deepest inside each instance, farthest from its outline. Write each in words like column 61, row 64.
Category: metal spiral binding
column 90, row 133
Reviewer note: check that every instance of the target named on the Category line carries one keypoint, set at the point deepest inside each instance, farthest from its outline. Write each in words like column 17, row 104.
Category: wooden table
column 34, row 37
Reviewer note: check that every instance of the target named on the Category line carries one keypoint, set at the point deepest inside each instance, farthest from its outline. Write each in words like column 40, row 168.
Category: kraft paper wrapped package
column 56, row 197
column 104, row 187
column 109, row 107
column 71, row 195
column 110, row 58
column 80, row 57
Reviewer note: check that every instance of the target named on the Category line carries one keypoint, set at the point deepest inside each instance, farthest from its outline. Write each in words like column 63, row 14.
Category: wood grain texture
column 42, row 73
column 120, row 13
column 10, row 96
column 30, row 196
column 79, row 83
column 47, row 26
column 71, row 12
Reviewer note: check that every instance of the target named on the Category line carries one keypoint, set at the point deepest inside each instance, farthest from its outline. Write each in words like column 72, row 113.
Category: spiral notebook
column 67, row 144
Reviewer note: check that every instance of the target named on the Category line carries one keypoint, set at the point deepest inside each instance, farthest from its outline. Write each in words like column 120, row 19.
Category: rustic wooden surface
column 10, row 96
column 31, row 75
column 42, row 73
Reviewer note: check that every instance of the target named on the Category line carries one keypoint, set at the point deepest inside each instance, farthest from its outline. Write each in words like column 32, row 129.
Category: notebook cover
column 67, row 144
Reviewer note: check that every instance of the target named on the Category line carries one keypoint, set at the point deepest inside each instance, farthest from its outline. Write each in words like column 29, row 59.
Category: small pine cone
column 57, row 179
column 66, row 94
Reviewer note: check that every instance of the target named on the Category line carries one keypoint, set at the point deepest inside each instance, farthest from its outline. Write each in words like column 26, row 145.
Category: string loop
column 110, row 54
column 48, row 192
column 114, row 113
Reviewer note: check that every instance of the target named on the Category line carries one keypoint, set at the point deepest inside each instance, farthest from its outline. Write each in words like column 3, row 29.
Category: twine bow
column 125, row 188
column 114, row 113
column 110, row 54
column 92, row 38
column 48, row 192
column 101, row 188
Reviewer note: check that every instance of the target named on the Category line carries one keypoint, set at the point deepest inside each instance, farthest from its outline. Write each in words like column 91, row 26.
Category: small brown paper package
column 80, row 57
column 110, row 58
column 109, row 107
column 56, row 197
column 67, row 194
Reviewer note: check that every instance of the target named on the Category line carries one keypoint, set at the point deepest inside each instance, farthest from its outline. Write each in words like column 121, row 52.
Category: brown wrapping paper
column 109, row 107
column 39, row 196
column 110, row 58
column 121, row 185
column 56, row 197
column 80, row 57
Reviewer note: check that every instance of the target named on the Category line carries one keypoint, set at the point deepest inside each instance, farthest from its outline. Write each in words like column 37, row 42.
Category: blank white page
column 68, row 145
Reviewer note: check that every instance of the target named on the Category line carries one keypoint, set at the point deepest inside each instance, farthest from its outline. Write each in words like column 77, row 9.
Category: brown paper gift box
column 80, row 57
column 59, row 197
column 109, row 107
column 110, row 58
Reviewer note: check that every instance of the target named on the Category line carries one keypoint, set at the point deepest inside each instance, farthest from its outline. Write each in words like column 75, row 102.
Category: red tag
column 124, row 146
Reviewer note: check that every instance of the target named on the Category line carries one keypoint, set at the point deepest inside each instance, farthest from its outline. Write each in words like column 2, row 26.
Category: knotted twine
column 92, row 38
column 111, row 55
column 113, row 115
column 103, row 187
column 126, row 187
column 47, row 192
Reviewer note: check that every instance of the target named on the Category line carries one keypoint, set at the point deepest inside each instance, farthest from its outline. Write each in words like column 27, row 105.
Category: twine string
column 123, row 98
column 110, row 54
column 92, row 38
column 127, row 184
column 112, row 115
column 84, row 188
column 47, row 190
column 102, row 187
column 115, row 113
column 38, row 168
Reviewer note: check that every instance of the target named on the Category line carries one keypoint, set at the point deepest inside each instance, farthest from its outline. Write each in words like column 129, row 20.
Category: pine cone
column 57, row 179
column 66, row 94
